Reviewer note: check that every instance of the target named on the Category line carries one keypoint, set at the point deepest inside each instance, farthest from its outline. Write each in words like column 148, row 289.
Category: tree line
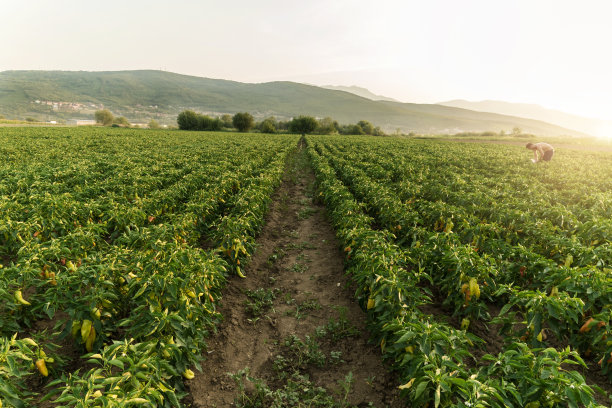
column 244, row 122
column 105, row 117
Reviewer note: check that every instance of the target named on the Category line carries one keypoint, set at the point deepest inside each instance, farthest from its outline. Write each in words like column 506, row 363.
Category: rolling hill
column 145, row 94
column 531, row 111
column 359, row 91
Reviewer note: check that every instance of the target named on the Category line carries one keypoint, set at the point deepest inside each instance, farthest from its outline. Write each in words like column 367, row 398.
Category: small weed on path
column 306, row 344
column 298, row 391
column 293, row 386
column 302, row 308
column 305, row 213
column 298, row 267
column 260, row 301
column 337, row 329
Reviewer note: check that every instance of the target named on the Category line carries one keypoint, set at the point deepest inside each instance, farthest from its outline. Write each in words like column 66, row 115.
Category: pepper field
column 486, row 279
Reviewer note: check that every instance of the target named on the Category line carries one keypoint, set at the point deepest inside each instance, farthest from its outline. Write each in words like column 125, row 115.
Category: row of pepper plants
column 508, row 262
column 470, row 232
column 527, row 212
column 433, row 253
column 114, row 246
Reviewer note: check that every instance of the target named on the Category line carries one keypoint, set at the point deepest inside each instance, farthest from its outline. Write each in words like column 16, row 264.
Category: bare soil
column 299, row 264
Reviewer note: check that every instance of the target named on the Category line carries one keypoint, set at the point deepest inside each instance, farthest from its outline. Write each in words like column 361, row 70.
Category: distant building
column 81, row 122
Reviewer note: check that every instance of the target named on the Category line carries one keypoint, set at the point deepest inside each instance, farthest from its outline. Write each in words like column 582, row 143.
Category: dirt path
column 293, row 334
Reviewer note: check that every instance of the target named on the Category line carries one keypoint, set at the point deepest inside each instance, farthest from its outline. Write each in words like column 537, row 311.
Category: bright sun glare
column 605, row 131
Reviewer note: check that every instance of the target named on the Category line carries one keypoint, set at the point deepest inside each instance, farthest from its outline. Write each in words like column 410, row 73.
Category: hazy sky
column 553, row 53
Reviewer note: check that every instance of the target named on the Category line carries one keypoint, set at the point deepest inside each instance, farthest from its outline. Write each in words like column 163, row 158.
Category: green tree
column 121, row 121
column 357, row 130
column 204, row 122
column 207, row 123
column 153, row 124
column 187, row 120
column 104, row 117
column 243, row 121
column 216, row 124
column 303, row 125
column 378, row 131
column 268, row 125
column 227, row 121
column 366, row 126
column 353, row 130
column 328, row 126
column 282, row 125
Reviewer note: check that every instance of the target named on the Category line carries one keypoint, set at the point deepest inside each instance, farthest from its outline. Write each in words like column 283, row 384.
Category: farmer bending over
column 544, row 149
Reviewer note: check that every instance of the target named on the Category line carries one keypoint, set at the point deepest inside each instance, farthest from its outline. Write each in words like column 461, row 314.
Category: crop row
column 578, row 294
column 432, row 357
column 128, row 282
column 578, row 181
column 522, row 213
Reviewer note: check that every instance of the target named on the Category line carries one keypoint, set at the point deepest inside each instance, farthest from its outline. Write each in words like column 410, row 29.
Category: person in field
column 541, row 151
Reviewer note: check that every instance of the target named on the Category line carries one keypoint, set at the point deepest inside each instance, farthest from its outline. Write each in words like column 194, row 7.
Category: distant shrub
column 204, row 122
column 366, row 126
column 226, row 121
column 104, row 117
column 378, row 132
column 352, row 130
column 216, row 124
column 189, row 120
column 327, row 126
column 121, row 121
column 243, row 121
column 303, row 124
column 268, row 126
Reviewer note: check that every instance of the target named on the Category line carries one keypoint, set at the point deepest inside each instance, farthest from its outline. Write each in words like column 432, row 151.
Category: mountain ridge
column 143, row 94
column 587, row 125
column 360, row 91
